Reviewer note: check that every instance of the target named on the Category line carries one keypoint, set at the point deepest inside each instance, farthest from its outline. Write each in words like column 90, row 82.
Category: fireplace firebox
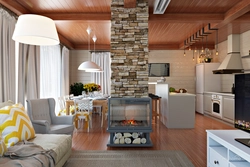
column 129, row 122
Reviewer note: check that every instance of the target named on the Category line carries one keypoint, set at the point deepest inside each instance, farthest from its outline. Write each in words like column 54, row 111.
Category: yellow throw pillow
column 3, row 148
column 15, row 124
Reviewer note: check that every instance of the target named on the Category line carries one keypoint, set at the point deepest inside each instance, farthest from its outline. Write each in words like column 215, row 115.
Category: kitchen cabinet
column 207, row 104
column 206, row 81
column 223, row 150
column 177, row 109
column 228, row 109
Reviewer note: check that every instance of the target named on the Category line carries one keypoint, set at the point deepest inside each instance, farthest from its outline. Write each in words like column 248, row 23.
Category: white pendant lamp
column 89, row 66
column 99, row 70
column 35, row 30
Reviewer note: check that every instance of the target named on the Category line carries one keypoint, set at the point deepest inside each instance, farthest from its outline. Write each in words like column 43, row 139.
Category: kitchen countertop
column 181, row 94
column 221, row 93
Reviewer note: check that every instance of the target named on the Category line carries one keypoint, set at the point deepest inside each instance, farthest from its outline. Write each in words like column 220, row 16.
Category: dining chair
column 83, row 111
column 61, row 103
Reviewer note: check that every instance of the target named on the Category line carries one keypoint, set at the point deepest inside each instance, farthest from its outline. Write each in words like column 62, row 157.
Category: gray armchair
column 44, row 120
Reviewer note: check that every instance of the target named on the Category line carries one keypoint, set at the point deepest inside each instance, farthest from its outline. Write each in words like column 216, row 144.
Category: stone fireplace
column 129, row 49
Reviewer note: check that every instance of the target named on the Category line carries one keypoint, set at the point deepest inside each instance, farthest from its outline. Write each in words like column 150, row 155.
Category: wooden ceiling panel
column 62, row 6
column 181, row 20
column 75, row 31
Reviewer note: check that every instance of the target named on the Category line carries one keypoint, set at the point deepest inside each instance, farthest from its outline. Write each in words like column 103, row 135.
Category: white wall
column 76, row 58
column 182, row 69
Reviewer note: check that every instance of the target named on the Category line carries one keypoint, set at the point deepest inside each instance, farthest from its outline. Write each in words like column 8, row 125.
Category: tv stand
column 245, row 141
column 224, row 150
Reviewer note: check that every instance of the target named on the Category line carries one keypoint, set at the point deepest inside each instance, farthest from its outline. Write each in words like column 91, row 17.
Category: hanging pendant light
column 99, row 70
column 88, row 65
column 217, row 52
column 35, row 30
column 184, row 54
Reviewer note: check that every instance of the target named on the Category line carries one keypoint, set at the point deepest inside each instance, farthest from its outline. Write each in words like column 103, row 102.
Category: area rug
column 125, row 158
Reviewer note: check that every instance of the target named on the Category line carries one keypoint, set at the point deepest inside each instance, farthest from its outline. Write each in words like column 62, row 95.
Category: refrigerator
column 206, row 81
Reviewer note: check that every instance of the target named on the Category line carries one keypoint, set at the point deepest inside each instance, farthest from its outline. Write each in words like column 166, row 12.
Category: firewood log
column 118, row 135
column 127, row 135
column 127, row 140
column 122, row 140
column 116, row 141
column 135, row 135
column 137, row 141
column 143, row 140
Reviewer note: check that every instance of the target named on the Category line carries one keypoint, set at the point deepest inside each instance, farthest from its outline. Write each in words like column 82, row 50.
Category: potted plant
column 76, row 88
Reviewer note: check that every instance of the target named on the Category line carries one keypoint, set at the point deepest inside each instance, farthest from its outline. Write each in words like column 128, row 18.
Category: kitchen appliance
column 232, row 62
column 217, row 101
column 242, row 105
column 206, row 81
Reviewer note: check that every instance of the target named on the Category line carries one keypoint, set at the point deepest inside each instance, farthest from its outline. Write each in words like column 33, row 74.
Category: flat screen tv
column 242, row 105
column 158, row 69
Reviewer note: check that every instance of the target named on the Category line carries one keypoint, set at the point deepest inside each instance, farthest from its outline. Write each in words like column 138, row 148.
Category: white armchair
column 43, row 117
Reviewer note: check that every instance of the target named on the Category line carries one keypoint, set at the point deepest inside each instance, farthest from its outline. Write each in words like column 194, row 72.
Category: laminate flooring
column 191, row 141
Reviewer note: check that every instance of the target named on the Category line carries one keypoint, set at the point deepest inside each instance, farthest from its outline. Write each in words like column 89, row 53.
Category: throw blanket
column 27, row 154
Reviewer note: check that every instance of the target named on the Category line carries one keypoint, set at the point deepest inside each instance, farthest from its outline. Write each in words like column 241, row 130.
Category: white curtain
column 50, row 75
column 65, row 72
column 102, row 78
column 7, row 56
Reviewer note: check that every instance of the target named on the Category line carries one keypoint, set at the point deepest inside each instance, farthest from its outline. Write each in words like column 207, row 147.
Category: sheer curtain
column 103, row 78
column 65, row 72
column 7, row 56
column 50, row 75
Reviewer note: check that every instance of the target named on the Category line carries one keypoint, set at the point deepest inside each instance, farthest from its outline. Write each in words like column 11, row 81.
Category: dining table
column 103, row 102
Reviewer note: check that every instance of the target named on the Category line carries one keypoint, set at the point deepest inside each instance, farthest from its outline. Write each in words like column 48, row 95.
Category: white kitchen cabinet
column 208, row 104
column 177, row 109
column 224, row 151
column 228, row 109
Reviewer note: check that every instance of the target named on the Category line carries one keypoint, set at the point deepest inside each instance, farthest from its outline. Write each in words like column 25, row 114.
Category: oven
column 217, row 105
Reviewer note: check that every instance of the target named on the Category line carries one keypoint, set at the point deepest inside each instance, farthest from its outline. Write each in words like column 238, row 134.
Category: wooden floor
column 191, row 141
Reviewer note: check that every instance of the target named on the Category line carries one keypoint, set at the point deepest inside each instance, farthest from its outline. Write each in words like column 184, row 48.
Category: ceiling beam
column 186, row 18
column 235, row 12
column 65, row 42
column 242, row 19
column 163, row 47
column 14, row 7
column 129, row 3
column 97, row 47
column 78, row 16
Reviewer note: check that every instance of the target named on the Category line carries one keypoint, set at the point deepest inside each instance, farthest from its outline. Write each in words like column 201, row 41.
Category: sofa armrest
column 41, row 126
column 65, row 119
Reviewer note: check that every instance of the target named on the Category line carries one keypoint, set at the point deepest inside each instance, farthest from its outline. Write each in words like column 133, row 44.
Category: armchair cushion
column 15, row 124
column 41, row 110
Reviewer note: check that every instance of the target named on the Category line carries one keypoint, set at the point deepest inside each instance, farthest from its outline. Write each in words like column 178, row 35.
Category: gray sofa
column 61, row 144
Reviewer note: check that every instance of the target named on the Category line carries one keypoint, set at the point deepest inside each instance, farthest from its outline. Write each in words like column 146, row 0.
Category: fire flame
column 129, row 122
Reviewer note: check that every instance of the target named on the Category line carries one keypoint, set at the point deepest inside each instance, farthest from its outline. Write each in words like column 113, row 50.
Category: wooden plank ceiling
column 181, row 23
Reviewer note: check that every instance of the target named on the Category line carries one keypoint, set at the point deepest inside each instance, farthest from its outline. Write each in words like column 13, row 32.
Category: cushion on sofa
column 6, row 103
column 3, row 148
column 60, row 143
column 15, row 124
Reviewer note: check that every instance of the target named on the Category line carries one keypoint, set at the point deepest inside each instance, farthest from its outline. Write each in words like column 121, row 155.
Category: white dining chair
column 83, row 110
